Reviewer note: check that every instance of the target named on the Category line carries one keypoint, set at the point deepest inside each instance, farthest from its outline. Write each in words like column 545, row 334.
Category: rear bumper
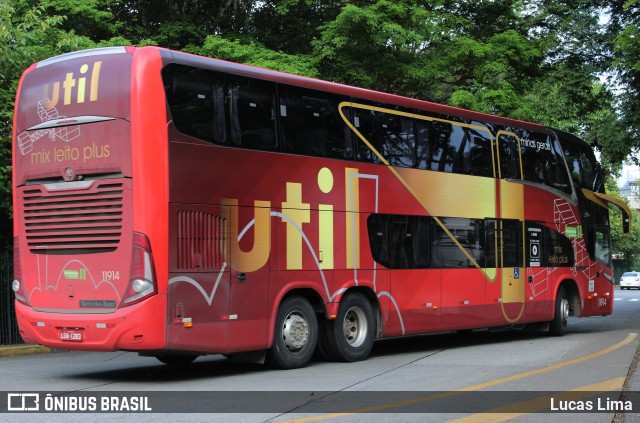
column 136, row 328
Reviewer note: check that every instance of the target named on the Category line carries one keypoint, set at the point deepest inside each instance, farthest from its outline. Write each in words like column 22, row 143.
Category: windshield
column 585, row 170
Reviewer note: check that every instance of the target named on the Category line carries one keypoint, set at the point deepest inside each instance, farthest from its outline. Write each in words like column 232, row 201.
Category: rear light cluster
column 142, row 282
column 16, row 285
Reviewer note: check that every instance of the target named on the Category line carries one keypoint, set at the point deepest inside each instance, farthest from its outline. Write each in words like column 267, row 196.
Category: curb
column 19, row 350
column 631, row 384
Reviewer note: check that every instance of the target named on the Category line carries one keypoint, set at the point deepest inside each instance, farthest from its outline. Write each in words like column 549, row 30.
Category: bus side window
column 252, row 114
column 420, row 228
column 469, row 233
column 197, row 102
column 533, row 160
column 509, row 157
column 422, row 143
column 480, row 160
column 378, row 229
column 511, row 243
column 366, row 123
column 398, row 141
column 440, row 156
column 451, row 151
column 400, row 241
column 542, row 161
column 311, row 124
column 603, row 245
column 491, row 229
column 458, row 145
column 559, row 176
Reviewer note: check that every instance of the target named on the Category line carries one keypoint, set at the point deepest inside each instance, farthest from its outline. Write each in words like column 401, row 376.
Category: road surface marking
column 543, row 403
column 376, row 408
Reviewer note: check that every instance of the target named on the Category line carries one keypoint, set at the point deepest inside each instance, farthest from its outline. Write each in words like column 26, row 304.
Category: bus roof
column 170, row 56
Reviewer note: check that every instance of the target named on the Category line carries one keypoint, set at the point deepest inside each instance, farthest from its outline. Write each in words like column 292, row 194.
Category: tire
column 176, row 359
column 350, row 336
column 295, row 334
column 558, row 326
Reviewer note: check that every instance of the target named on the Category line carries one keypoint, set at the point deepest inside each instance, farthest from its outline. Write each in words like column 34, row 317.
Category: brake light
column 142, row 282
column 17, row 285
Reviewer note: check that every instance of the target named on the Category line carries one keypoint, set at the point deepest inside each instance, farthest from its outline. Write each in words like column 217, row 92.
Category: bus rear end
column 85, row 275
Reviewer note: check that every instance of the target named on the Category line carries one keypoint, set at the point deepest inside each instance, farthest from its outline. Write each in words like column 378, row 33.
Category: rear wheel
column 296, row 334
column 558, row 326
column 350, row 336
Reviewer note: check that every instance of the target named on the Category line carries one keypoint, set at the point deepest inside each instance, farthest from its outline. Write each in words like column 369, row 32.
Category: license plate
column 71, row 335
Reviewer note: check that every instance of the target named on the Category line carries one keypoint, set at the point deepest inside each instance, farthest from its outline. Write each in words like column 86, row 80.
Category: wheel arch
column 310, row 294
column 573, row 295
column 375, row 304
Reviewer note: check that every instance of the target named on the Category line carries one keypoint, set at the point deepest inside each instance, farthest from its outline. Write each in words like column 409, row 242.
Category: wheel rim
column 564, row 311
column 355, row 327
column 295, row 332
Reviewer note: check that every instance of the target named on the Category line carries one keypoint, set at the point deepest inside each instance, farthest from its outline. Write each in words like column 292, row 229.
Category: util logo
column 73, row 84
column 296, row 214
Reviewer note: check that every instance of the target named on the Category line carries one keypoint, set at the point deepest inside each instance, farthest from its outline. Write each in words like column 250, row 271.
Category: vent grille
column 67, row 222
column 200, row 240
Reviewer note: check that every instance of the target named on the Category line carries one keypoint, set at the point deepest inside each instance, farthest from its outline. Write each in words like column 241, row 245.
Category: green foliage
column 626, row 252
column 625, row 31
column 253, row 53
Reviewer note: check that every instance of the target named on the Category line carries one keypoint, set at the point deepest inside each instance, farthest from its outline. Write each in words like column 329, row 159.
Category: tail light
column 17, row 285
column 142, row 282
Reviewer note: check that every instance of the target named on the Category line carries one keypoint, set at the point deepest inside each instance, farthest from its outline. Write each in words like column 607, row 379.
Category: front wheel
column 350, row 336
column 295, row 336
column 558, row 326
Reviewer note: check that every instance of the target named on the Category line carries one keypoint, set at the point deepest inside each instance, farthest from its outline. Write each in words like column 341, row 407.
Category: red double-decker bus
column 177, row 206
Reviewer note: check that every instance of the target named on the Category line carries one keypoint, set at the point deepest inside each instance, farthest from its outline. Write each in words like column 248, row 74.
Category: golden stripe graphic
column 488, row 274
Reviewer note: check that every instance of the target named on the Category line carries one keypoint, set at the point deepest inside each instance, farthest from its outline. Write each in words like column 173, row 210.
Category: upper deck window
column 542, row 161
column 311, row 124
column 252, row 113
column 222, row 108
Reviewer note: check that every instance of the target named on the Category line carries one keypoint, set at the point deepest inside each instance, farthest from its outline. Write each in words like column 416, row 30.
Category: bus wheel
column 558, row 325
column 350, row 336
column 176, row 359
column 296, row 334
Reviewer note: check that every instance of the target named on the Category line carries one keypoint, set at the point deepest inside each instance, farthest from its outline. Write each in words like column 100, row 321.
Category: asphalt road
column 472, row 376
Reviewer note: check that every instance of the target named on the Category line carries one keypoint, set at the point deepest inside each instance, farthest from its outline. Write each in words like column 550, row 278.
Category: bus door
column 505, row 271
column 510, row 226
